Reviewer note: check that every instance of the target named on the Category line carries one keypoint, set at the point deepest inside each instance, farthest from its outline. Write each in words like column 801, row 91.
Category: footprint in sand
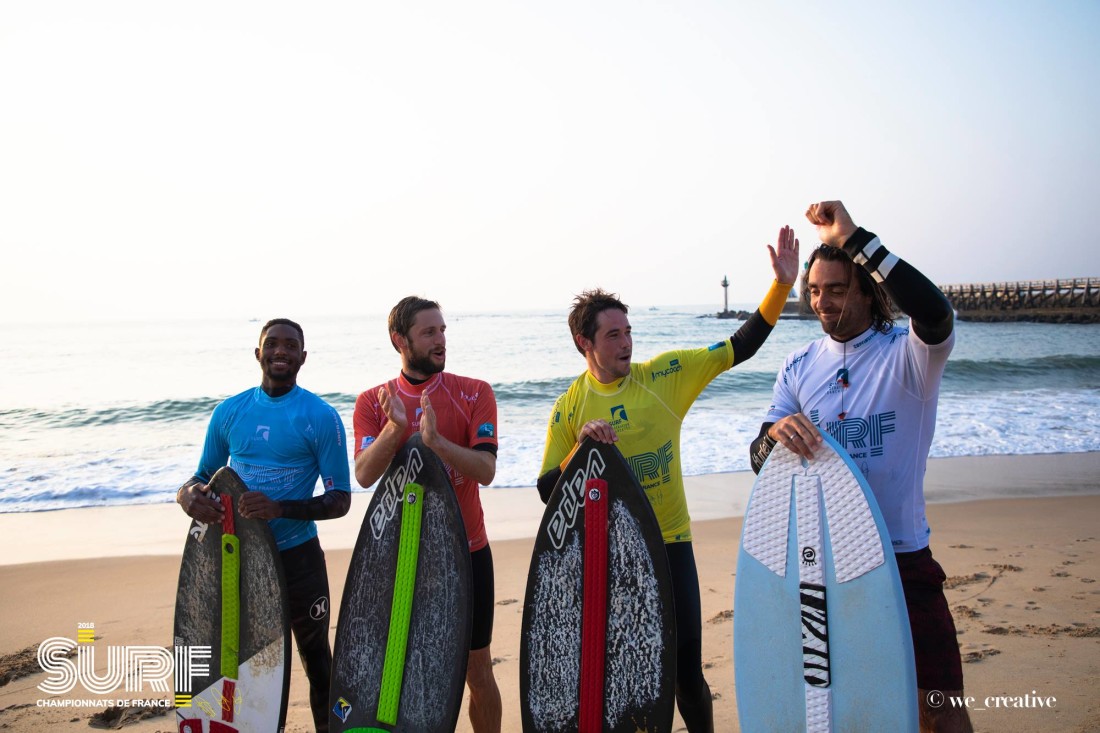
column 507, row 602
column 1031, row 606
column 958, row 581
column 1087, row 580
column 1078, row 630
column 22, row 663
column 961, row 547
column 977, row 655
column 115, row 717
column 721, row 616
column 965, row 612
column 1059, row 574
column 1038, row 589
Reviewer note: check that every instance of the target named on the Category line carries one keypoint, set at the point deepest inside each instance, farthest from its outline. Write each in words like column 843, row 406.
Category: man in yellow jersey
column 640, row 408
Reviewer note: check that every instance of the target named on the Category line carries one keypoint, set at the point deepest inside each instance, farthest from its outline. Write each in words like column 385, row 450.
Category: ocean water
column 100, row 414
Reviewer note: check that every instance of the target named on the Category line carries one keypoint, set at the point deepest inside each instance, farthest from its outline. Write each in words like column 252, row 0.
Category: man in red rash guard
column 457, row 419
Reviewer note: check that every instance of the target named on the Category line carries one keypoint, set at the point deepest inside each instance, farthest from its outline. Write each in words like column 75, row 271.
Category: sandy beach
column 1019, row 538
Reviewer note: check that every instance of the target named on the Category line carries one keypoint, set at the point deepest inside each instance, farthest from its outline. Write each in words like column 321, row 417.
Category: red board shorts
column 935, row 646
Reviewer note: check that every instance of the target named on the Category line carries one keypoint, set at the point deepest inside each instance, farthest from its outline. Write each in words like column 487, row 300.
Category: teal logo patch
column 485, row 430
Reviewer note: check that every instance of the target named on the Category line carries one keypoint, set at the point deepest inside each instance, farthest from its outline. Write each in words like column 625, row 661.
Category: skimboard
column 821, row 635
column 232, row 599
column 403, row 636
column 598, row 639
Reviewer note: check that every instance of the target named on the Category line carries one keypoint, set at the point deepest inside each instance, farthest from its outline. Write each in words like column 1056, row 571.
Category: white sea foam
column 116, row 414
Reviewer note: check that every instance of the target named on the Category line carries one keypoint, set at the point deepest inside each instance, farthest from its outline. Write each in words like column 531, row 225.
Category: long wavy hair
column 882, row 308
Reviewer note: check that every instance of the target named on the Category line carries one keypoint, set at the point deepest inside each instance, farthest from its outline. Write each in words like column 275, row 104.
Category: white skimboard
column 821, row 634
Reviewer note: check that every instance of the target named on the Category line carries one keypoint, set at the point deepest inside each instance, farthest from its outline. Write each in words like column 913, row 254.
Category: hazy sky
column 266, row 158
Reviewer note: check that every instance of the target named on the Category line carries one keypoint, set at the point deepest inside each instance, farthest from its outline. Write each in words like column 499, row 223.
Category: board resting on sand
column 232, row 598
column 821, row 634
column 403, row 637
column 598, row 639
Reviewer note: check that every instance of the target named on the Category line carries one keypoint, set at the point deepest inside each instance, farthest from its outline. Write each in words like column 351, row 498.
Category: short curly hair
column 404, row 313
column 586, row 310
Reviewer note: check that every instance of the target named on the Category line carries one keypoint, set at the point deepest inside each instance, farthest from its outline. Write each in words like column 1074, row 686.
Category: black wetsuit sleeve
column 911, row 291
column 547, row 482
column 750, row 337
column 329, row 505
column 761, row 448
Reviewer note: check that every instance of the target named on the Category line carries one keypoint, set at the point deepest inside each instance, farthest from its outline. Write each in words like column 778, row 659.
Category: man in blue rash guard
column 279, row 438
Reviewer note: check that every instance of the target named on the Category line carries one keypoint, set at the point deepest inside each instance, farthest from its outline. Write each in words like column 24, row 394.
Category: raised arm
column 914, row 294
column 756, row 329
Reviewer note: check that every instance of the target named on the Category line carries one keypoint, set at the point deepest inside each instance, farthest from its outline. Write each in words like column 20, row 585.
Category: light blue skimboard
column 821, row 635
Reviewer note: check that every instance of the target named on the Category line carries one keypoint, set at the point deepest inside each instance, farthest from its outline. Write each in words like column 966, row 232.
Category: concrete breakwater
column 1073, row 300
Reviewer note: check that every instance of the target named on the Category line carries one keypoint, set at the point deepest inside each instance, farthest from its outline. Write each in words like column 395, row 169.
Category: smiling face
column 424, row 348
column 842, row 308
column 608, row 353
column 280, row 355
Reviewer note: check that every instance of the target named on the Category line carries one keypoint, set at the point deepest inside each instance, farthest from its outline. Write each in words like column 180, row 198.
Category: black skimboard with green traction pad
column 403, row 636
column 232, row 600
column 598, row 638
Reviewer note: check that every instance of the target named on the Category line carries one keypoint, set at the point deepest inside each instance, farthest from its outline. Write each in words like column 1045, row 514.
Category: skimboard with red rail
column 598, row 639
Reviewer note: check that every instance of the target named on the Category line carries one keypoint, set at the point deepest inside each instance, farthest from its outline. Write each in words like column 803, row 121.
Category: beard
column 423, row 363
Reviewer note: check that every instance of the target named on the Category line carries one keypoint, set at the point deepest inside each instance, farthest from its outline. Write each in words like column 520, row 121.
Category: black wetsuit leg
column 307, row 585
column 693, row 698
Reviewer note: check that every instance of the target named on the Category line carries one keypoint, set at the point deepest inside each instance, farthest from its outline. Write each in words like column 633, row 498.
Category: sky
column 179, row 160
